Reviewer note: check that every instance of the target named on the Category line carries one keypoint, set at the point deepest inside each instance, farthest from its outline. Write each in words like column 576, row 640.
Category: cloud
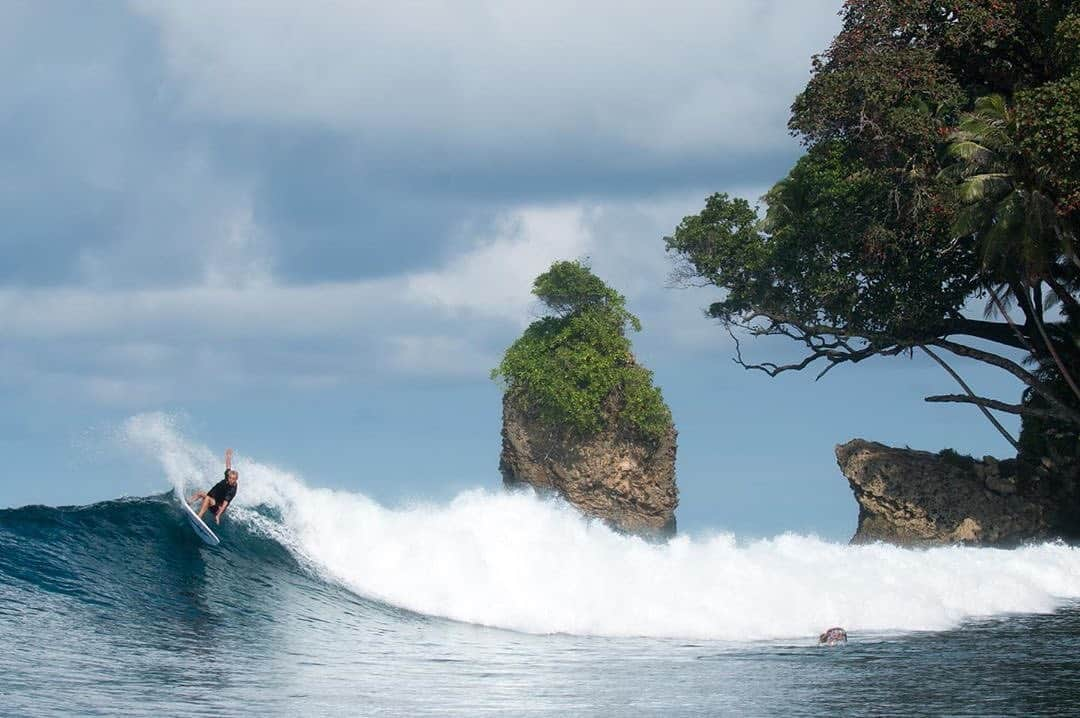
column 205, row 197
column 503, row 81
column 269, row 310
column 156, row 145
column 103, row 185
column 435, row 356
column 494, row 278
column 146, row 346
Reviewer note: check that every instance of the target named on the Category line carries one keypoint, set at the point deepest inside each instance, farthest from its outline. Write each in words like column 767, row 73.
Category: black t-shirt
column 222, row 491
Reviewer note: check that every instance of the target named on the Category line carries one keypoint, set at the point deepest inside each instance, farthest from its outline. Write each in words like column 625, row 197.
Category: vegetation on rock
column 953, row 457
column 572, row 367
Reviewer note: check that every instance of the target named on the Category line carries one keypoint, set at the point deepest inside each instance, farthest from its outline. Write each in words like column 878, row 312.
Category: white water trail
column 518, row 562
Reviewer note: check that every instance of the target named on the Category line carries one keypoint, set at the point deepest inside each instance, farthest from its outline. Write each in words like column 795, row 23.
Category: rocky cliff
column 916, row 497
column 613, row 474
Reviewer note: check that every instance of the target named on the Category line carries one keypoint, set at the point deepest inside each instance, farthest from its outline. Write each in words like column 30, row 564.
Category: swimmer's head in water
column 833, row 636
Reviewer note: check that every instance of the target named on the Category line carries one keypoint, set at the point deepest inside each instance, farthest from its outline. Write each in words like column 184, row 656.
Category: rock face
column 915, row 497
column 612, row 475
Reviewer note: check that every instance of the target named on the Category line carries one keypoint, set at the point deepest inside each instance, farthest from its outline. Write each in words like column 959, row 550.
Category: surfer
column 223, row 492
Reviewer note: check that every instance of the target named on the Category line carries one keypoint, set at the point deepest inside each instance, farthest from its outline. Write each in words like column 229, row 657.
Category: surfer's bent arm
column 224, row 505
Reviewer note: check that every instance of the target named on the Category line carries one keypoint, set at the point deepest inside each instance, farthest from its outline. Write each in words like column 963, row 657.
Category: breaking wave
column 514, row 561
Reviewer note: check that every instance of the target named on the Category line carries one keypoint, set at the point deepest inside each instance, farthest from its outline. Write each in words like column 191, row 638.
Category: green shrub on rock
column 576, row 366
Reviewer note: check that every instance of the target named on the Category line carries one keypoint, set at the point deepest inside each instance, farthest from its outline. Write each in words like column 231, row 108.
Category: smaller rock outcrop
column 919, row 498
column 613, row 474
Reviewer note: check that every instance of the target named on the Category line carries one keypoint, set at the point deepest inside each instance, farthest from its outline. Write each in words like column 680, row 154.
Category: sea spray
column 518, row 562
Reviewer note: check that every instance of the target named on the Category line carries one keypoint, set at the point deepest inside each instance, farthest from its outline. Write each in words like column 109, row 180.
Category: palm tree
column 1021, row 238
column 1005, row 209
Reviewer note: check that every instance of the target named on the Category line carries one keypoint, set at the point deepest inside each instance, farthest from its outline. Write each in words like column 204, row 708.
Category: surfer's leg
column 207, row 502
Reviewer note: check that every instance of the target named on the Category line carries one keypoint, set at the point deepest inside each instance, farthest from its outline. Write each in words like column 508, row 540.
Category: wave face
column 512, row 561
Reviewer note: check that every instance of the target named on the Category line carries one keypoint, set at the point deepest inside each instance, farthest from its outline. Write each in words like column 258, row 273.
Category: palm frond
column 1002, row 242
column 992, row 106
column 971, row 152
column 970, row 220
column 984, row 186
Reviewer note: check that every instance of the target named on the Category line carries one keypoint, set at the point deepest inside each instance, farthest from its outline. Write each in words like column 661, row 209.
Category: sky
column 308, row 231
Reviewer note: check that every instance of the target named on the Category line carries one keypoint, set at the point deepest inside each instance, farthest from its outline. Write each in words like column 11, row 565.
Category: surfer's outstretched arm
column 228, row 459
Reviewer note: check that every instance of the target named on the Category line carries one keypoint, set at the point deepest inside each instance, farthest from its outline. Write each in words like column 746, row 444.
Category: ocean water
column 326, row 603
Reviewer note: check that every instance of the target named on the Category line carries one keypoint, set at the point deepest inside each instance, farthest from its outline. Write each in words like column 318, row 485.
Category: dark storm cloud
column 106, row 182
column 101, row 182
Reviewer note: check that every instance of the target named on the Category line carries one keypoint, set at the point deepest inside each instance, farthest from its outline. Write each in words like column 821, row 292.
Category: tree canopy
column 942, row 172
column 575, row 366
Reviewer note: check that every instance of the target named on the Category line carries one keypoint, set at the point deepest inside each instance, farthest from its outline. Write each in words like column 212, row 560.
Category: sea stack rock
column 580, row 416
column 614, row 474
column 913, row 497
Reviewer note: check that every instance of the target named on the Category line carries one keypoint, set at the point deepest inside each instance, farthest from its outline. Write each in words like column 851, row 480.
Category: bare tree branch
column 1005, row 313
column 836, row 345
column 1063, row 412
column 996, row 332
column 1037, row 312
column 831, row 344
column 971, row 395
column 994, row 404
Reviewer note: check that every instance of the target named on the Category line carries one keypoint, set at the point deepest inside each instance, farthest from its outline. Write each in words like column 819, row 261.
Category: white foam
column 518, row 562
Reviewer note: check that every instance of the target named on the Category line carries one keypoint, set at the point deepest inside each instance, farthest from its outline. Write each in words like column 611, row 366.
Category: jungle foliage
column 942, row 172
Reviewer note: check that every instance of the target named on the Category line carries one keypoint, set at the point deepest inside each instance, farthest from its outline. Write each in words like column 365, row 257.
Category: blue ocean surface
column 325, row 603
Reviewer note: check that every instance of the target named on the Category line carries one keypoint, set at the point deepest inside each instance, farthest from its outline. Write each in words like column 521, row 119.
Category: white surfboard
column 201, row 528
